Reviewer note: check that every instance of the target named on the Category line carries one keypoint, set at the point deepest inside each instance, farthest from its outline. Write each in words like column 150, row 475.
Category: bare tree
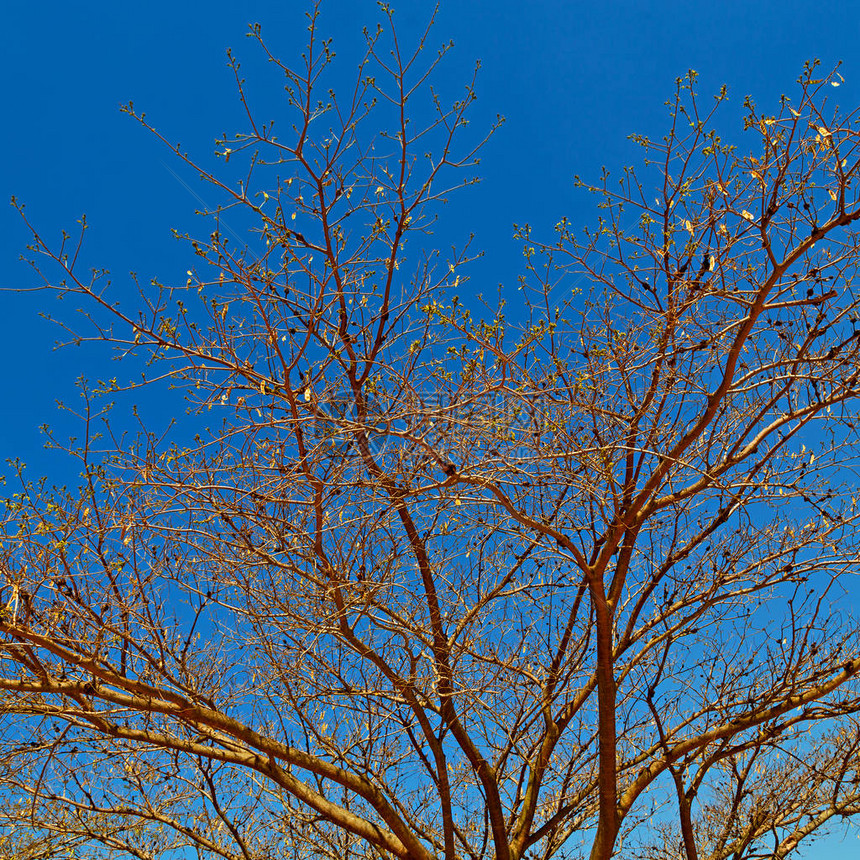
column 419, row 576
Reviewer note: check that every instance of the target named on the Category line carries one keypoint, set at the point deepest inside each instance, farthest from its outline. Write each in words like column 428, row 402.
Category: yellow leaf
column 747, row 215
column 832, row 193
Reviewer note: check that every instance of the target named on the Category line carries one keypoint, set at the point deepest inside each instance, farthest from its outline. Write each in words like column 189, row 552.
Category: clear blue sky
column 573, row 80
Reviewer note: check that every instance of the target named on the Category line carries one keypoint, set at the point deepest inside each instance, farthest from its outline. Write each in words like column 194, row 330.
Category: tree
column 419, row 579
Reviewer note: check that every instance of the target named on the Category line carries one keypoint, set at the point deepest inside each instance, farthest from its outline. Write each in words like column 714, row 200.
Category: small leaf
column 747, row 215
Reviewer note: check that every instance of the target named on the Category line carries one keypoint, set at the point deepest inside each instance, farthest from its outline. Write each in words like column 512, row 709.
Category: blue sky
column 573, row 81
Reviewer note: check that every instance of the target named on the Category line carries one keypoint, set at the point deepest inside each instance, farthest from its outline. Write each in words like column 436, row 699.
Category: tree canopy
column 425, row 573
